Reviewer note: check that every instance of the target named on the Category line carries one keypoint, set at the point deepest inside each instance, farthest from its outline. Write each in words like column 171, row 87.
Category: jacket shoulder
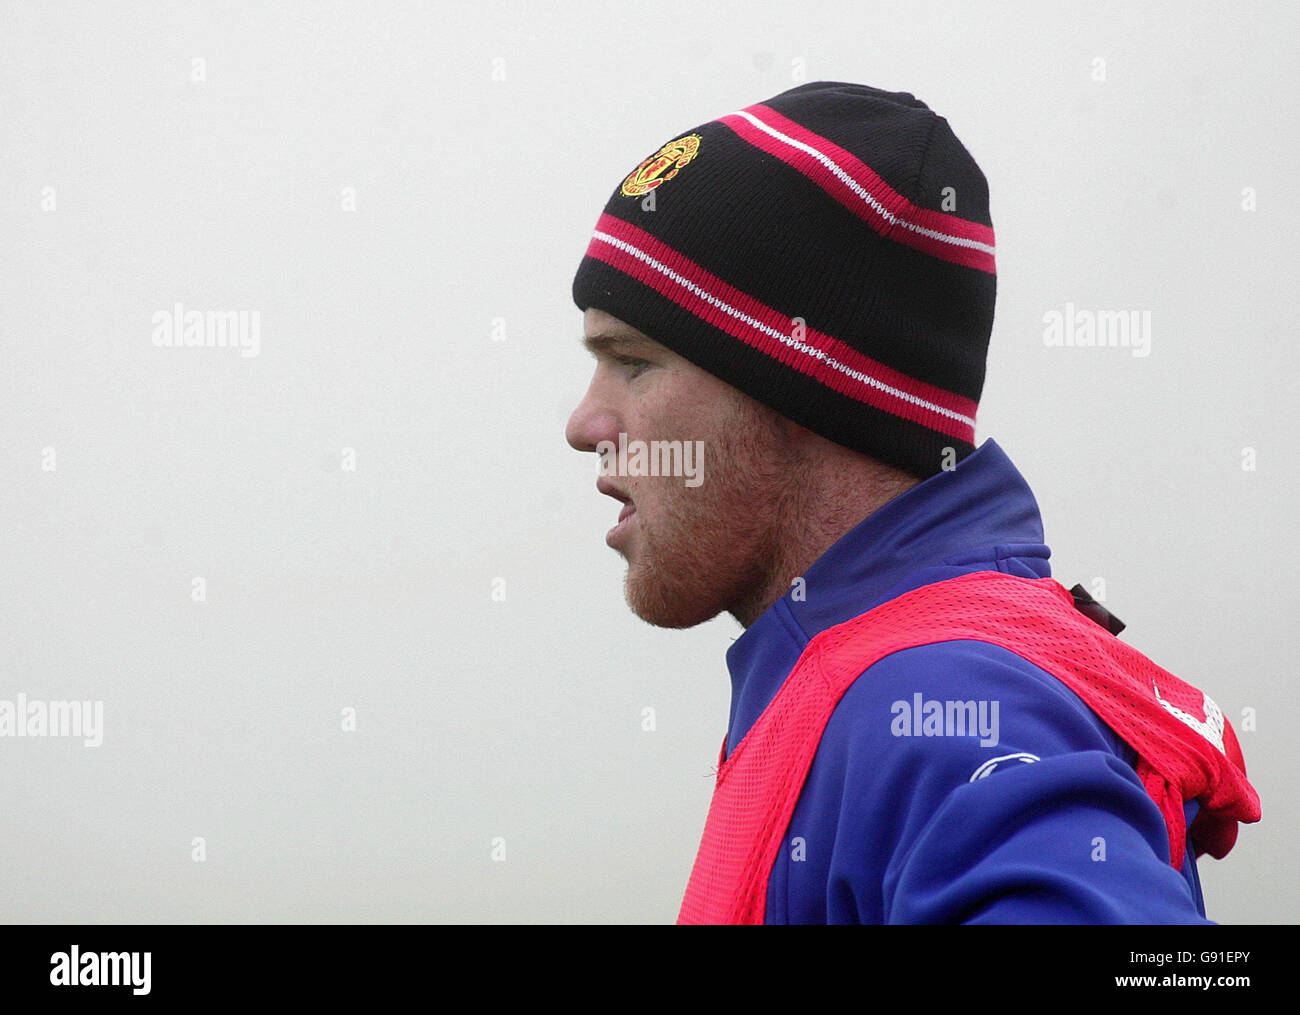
column 963, row 782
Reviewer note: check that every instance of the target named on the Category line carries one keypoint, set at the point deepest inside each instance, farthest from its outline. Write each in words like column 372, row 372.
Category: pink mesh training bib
column 1186, row 748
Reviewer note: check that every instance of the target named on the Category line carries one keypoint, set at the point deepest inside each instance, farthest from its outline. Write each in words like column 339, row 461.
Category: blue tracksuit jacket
column 892, row 828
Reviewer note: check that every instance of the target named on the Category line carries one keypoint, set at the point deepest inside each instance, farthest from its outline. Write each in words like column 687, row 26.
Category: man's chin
column 664, row 606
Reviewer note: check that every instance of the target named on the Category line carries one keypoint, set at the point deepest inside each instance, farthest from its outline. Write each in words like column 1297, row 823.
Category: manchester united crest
column 663, row 165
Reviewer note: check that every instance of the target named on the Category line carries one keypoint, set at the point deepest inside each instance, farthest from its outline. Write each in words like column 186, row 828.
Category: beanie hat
column 828, row 252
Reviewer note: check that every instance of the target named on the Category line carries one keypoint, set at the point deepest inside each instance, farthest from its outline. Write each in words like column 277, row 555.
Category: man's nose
column 591, row 422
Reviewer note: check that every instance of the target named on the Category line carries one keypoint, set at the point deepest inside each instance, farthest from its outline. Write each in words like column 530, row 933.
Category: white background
column 475, row 198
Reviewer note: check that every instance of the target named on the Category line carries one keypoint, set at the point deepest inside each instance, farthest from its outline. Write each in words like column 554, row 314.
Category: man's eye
column 637, row 365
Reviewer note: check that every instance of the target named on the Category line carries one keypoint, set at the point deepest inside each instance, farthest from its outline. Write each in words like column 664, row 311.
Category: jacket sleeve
column 1039, row 820
column 1068, row 839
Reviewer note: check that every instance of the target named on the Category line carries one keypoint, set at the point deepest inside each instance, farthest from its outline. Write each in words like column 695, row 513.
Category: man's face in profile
column 693, row 551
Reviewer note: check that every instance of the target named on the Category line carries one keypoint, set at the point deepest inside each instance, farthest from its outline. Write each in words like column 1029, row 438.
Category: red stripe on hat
column 653, row 263
column 858, row 187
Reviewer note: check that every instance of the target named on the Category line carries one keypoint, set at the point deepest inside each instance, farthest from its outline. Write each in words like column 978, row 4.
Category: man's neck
column 817, row 515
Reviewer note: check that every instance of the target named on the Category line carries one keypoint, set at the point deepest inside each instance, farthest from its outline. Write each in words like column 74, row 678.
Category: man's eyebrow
column 605, row 341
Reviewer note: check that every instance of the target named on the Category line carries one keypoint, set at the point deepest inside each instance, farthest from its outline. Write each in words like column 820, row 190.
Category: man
column 924, row 728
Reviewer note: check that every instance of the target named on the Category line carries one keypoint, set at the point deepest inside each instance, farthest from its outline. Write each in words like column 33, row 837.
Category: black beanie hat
column 828, row 252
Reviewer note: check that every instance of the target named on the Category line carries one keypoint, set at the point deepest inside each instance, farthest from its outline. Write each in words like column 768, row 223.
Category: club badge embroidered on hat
column 675, row 153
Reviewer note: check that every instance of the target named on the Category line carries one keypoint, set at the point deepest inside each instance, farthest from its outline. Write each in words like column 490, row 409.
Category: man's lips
column 610, row 490
column 629, row 508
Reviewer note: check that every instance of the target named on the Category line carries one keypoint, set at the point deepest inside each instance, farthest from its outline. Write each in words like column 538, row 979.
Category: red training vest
column 1186, row 748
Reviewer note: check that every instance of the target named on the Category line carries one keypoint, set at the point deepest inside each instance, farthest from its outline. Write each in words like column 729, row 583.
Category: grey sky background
column 499, row 770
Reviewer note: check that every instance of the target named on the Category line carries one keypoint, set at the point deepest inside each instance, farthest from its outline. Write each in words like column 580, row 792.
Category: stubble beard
column 717, row 547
